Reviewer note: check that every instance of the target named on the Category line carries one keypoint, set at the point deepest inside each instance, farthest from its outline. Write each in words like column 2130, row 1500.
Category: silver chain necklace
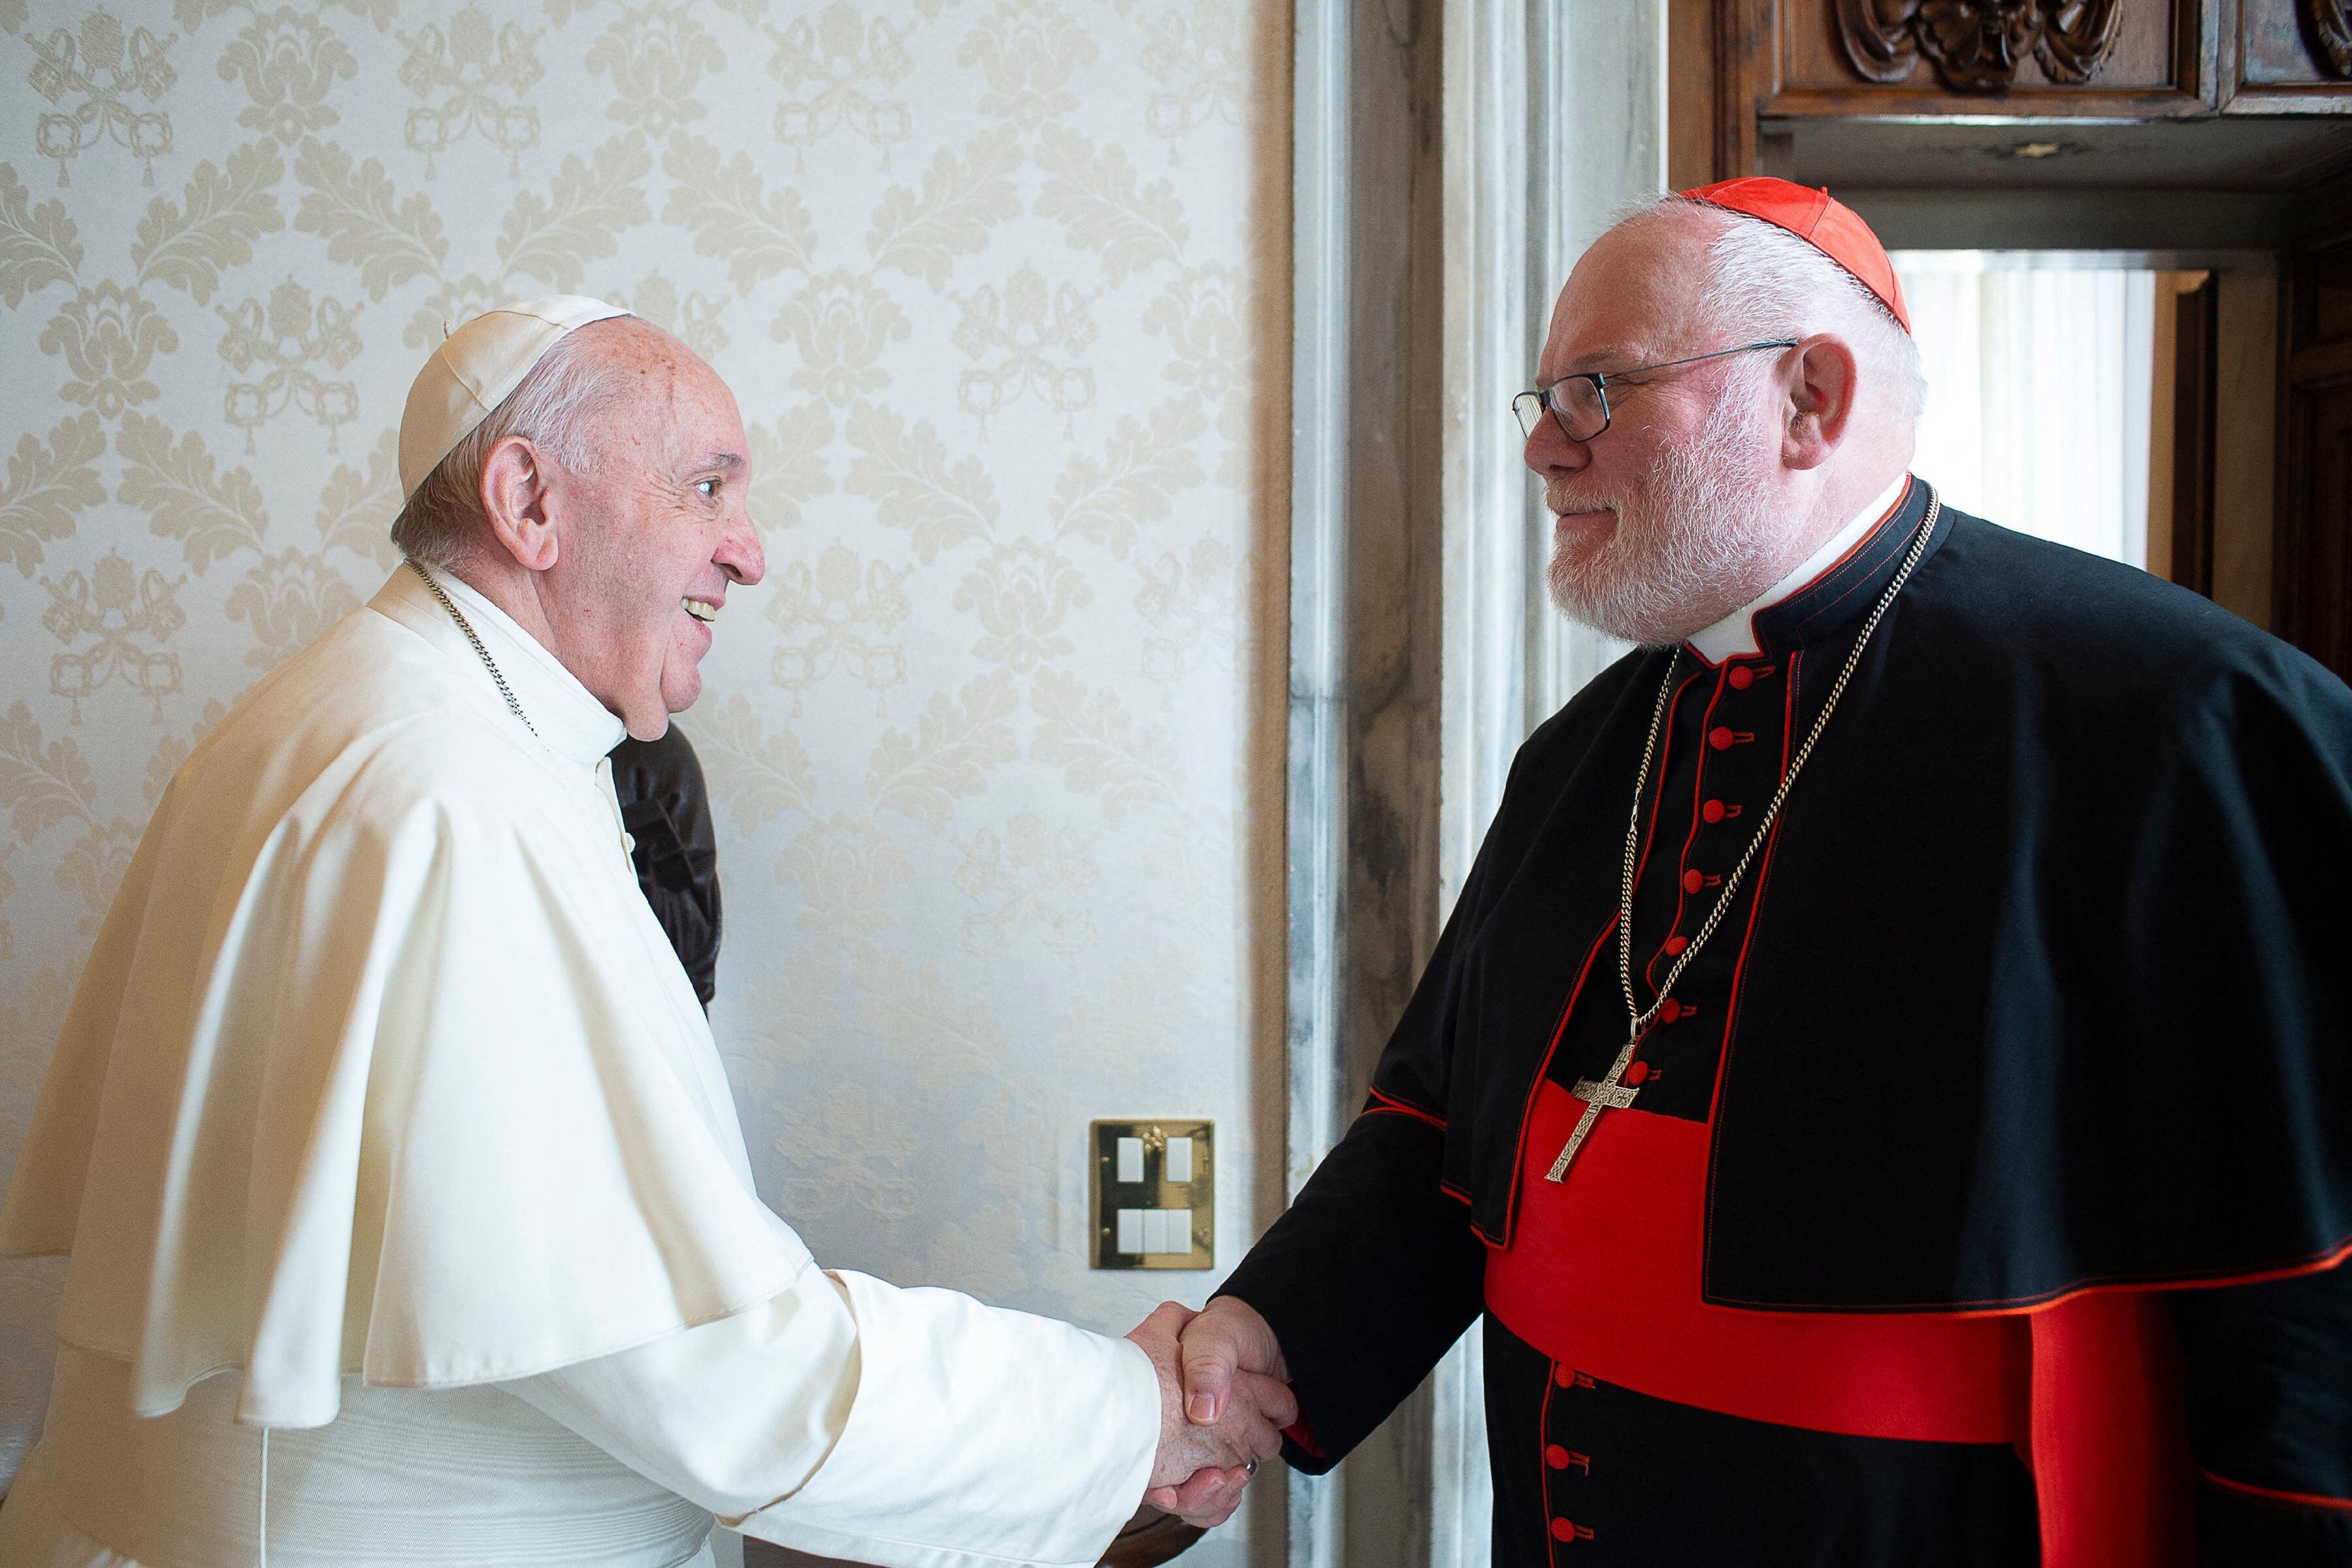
column 468, row 627
column 1612, row 1093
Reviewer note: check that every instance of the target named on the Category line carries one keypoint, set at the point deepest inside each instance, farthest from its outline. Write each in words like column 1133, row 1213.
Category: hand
column 1225, row 1338
column 1227, row 1349
column 1211, row 1457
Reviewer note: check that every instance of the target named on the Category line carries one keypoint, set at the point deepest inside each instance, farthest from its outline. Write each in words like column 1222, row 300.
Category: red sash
column 1602, row 1276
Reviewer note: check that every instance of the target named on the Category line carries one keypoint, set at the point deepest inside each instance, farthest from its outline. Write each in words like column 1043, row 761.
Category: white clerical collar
column 1734, row 637
column 570, row 720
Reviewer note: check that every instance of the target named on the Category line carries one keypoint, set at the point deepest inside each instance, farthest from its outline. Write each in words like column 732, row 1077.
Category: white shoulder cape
column 381, row 1063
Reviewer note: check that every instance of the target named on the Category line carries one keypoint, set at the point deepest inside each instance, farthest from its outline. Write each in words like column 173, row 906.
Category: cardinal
column 1885, row 1088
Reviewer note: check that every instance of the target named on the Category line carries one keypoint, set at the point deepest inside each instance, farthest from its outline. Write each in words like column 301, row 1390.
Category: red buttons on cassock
column 1675, row 945
column 1669, row 1011
column 1742, row 678
column 1712, row 811
column 1693, row 881
column 1563, row 1529
column 1637, row 1073
column 1720, row 738
column 1556, row 1456
column 1564, row 1375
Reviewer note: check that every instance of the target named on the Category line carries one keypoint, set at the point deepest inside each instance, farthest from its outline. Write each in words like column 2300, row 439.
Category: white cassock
column 385, row 1118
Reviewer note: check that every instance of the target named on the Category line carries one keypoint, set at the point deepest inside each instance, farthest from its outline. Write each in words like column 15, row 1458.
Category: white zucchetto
column 474, row 370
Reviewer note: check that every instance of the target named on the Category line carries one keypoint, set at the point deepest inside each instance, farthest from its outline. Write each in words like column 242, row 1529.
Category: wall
column 1002, row 286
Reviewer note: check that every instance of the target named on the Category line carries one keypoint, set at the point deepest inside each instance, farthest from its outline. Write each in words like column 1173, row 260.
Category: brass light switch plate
column 1154, row 1193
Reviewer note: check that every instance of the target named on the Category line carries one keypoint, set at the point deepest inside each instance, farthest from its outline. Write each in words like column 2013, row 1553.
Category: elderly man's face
column 1664, row 520
column 655, row 535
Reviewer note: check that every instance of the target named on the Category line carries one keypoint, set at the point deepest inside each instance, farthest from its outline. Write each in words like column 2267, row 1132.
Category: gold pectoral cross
column 1611, row 1093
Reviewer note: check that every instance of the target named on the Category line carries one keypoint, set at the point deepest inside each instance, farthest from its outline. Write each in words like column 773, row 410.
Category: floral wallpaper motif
column 997, row 750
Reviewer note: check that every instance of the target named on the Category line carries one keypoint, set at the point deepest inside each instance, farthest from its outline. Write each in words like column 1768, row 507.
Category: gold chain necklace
column 1612, row 1093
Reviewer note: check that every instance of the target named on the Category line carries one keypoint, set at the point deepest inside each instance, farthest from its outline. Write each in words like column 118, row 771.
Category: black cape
column 2050, row 986
column 2045, row 988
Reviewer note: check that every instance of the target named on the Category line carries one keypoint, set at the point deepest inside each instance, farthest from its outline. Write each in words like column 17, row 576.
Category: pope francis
column 407, row 1213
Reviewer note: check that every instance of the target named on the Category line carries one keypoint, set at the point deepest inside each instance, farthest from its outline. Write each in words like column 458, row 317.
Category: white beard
column 1695, row 542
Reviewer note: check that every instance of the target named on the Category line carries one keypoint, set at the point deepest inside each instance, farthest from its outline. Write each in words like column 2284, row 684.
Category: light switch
column 1153, row 1199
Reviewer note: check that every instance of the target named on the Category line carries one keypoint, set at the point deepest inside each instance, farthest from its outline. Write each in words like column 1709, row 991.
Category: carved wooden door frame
column 1750, row 51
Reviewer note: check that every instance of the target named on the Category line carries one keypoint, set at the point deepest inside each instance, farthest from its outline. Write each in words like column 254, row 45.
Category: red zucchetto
column 1829, row 226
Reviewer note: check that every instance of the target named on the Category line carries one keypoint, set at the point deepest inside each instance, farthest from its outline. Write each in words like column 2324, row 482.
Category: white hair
column 1761, row 283
column 555, row 407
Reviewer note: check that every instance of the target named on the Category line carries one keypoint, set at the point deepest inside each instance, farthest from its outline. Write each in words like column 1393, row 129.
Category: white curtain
column 2037, row 401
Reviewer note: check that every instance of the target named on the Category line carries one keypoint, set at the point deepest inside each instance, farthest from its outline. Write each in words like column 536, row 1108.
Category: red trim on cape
column 1543, row 1071
column 1850, row 589
column 2024, row 1306
column 2273, row 1495
column 1395, row 1107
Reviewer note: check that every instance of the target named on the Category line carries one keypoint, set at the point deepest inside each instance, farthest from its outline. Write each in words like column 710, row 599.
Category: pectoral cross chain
column 1610, row 1094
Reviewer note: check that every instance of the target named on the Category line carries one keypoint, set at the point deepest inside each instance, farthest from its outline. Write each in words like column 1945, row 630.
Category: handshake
column 1224, row 1398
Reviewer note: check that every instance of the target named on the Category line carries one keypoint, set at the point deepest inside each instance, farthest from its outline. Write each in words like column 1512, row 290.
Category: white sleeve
column 849, row 1418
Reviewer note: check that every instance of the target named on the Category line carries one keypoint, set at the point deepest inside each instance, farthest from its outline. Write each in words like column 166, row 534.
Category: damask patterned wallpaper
column 1002, row 287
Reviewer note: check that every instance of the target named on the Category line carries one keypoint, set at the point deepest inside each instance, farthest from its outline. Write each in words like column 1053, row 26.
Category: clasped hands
column 1224, row 1398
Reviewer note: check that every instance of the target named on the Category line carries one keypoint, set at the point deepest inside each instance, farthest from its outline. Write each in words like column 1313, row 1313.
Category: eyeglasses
column 1578, row 404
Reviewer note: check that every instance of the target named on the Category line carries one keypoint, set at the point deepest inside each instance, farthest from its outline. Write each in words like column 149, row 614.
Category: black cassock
column 1994, row 1160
